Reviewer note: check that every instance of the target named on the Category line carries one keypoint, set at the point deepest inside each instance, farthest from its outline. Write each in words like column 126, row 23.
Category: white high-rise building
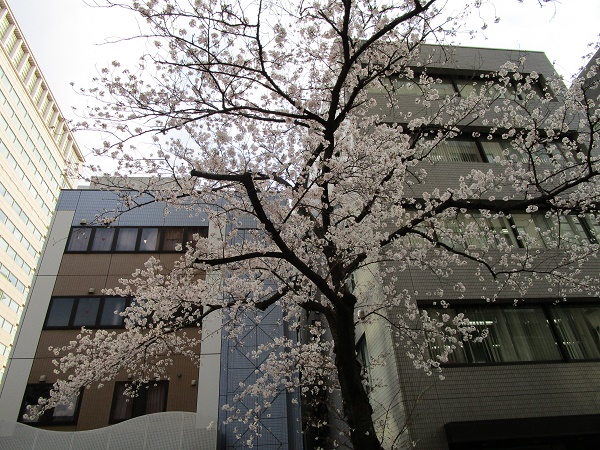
column 38, row 157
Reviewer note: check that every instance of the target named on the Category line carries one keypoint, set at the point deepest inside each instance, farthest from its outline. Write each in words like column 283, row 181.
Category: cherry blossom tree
column 288, row 115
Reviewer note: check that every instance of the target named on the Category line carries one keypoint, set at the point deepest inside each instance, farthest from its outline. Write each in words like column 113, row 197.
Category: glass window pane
column 122, row 404
column 87, row 311
column 501, row 90
column 59, row 415
column 572, row 229
column 467, row 86
column 443, row 86
column 494, row 231
column 438, row 345
column 59, row 312
column 516, row 334
column 103, row 238
column 156, row 397
column 150, row 398
column 126, row 239
column 201, row 232
column 149, row 239
column 528, row 230
column 455, row 150
column 531, row 334
column 110, row 311
column 80, row 237
column 65, row 412
column 173, row 237
column 404, row 86
column 496, row 149
column 32, row 394
column 593, row 226
column 579, row 331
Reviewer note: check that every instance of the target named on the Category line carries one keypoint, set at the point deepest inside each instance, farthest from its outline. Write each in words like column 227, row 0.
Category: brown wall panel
column 84, row 264
column 79, row 284
column 96, row 402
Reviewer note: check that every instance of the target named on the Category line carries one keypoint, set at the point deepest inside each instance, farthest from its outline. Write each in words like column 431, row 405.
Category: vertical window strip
column 52, row 160
column 579, row 331
column 8, row 301
column 32, row 83
column 12, row 39
column 18, row 55
column 12, row 253
column 4, row 25
column 20, row 212
column 25, row 69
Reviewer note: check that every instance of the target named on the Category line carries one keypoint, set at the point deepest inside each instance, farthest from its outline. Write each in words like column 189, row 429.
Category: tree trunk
column 357, row 408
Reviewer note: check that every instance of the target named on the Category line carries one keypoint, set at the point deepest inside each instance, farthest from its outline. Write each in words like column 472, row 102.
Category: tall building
column 80, row 259
column 38, row 158
column 534, row 383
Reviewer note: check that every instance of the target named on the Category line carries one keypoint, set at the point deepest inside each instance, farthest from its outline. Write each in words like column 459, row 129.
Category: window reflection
column 149, row 239
column 518, row 334
column 80, row 237
column 173, row 238
column 103, row 239
column 579, row 331
column 524, row 334
column 126, row 239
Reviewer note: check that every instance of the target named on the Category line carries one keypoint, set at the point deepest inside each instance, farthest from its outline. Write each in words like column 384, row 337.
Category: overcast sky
column 67, row 36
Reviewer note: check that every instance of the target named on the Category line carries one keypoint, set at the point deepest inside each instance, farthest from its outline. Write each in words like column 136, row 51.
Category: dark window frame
column 98, row 324
column 479, row 143
column 139, row 403
column 187, row 233
column 47, row 419
column 510, row 232
column 458, row 80
column 546, row 308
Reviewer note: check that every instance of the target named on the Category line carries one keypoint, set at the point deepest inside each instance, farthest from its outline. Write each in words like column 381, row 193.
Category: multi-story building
column 38, row 158
column 80, row 259
column 534, row 382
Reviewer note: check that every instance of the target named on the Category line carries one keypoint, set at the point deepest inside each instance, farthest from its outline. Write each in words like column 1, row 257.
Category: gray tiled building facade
column 544, row 392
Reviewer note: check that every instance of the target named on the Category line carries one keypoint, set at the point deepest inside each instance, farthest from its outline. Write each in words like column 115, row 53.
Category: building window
column 126, row 239
column 132, row 239
column 172, row 238
column 578, row 329
column 541, row 231
column 466, row 148
column 474, row 231
column 148, row 399
column 447, row 85
column 65, row 414
column 89, row 312
column 455, row 150
column 362, row 356
column 79, row 240
column 103, row 238
column 149, row 240
column 524, row 334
